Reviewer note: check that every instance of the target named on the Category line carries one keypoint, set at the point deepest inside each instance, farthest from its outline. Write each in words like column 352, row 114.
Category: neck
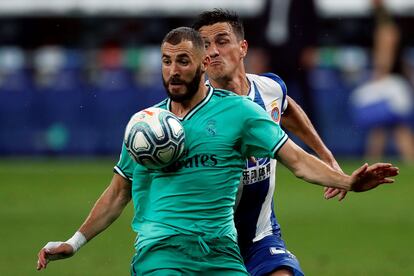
column 182, row 108
column 238, row 84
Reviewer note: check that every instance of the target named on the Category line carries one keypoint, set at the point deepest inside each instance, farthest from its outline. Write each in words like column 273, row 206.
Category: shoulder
column 268, row 82
column 230, row 101
column 222, row 93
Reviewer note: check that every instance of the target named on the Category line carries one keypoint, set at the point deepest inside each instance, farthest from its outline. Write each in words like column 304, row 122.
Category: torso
column 197, row 195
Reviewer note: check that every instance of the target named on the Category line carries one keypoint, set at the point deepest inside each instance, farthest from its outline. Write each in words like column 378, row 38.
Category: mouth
column 215, row 63
column 175, row 85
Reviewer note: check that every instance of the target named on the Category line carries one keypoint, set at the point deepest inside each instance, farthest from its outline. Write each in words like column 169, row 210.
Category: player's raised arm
column 297, row 122
column 313, row 170
column 106, row 210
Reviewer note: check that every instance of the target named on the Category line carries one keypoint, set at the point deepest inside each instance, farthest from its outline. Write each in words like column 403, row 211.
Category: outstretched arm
column 108, row 207
column 106, row 210
column 297, row 122
column 313, row 170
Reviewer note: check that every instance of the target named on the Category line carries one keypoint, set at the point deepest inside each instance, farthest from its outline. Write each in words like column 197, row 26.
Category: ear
column 243, row 48
column 205, row 63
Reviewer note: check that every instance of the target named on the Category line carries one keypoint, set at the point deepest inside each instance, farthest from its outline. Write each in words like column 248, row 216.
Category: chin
column 215, row 74
column 177, row 91
column 177, row 94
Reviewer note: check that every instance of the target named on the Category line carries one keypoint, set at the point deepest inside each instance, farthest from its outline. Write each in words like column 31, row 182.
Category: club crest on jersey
column 275, row 114
column 211, row 128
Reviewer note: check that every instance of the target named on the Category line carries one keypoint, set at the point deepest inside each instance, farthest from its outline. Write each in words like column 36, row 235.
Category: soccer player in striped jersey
column 184, row 213
column 260, row 240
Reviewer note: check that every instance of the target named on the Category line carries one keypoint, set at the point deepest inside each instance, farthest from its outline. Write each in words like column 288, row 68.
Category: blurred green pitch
column 47, row 199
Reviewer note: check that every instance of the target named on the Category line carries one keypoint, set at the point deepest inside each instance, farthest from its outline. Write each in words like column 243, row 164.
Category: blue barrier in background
column 71, row 115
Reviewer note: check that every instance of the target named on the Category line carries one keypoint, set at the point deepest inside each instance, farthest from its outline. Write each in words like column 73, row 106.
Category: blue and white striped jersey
column 255, row 217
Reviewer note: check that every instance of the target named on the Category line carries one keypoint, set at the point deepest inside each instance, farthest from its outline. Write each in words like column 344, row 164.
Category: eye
column 166, row 61
column 184, row 62
column 222, row 41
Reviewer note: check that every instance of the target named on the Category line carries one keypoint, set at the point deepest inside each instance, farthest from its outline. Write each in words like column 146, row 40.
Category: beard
column 191, row 87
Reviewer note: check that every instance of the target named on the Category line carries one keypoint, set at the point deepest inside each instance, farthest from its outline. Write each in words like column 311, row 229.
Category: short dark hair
column 208, row 18
column 180, row 34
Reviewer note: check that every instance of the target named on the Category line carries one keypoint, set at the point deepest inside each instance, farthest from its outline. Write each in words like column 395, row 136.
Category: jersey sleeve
column 126, row 165
column 282, row 86
column 261, row 137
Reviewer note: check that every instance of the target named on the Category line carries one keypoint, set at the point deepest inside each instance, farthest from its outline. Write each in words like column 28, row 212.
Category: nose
column 212, row 50
column 174, row 69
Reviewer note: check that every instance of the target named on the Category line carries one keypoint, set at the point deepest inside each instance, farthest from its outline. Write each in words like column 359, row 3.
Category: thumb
column 51, row 247
column 58, row 250
column 361, row 170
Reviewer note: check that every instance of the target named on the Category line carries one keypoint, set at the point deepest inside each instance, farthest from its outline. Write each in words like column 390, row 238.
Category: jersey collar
column 195, row 108
column 252, row 90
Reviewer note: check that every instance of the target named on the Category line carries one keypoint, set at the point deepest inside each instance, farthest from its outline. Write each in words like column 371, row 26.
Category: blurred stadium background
column 72, row 73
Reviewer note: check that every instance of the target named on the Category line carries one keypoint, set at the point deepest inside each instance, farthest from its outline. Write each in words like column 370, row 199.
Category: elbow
column 299, row 173
column 123, row 198
column 297, row 169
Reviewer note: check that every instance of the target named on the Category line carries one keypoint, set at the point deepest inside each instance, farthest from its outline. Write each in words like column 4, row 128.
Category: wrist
column 348, row 183
column 77, row 241
column 342, row 181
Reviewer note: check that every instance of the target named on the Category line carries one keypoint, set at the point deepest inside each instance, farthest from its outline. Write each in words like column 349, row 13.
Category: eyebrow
column 217, row 35
column 222, row 34
column 185, row 55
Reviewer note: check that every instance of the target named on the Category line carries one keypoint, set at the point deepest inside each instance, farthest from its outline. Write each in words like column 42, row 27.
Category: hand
column 330, row 192
column 333, row 192
column 369, row 177
column 53, row 251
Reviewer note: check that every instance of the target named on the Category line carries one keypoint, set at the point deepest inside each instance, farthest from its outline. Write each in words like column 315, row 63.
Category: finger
column 326, row 191
column 332, row 193
column 361, row 170
column 42, row 258
column 41, row 264
column 387, row 172
column 45, row 263
column 382, row 170
column 342, row 195
column 377, row 166
column 387, row 181
column 391, row 172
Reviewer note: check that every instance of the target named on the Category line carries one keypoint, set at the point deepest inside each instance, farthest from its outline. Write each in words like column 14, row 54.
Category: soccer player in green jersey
column 184, row 214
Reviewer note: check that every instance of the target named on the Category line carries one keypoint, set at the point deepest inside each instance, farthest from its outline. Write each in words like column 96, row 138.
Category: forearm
column 310, row 168
column 313, row 170
column 107, row 208
column 298, row 123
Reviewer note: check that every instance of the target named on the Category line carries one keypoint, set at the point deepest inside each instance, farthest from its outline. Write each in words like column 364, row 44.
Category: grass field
column 47, row 199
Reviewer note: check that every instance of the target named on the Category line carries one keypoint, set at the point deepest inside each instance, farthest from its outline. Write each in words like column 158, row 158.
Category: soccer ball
column 154, row 138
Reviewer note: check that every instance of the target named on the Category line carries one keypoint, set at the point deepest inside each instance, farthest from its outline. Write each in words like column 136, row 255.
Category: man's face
column 181, row 70
column 225, row 51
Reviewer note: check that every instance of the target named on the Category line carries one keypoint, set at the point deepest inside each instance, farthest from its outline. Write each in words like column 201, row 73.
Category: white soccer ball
column 154, row 138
